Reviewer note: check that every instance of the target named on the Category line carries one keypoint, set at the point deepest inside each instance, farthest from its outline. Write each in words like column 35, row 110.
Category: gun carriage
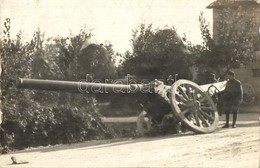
column 189, row 104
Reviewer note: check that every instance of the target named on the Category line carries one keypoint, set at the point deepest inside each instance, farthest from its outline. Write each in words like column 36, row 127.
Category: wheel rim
column 144, row 123
column 193, row 107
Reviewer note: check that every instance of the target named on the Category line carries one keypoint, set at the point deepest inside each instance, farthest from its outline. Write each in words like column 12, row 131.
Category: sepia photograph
column 130, row 83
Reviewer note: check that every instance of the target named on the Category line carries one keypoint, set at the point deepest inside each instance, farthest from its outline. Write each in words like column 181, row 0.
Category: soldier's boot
column 234, row 120
column 227, row 121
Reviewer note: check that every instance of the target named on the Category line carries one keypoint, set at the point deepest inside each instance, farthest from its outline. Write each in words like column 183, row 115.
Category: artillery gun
column 189, row 104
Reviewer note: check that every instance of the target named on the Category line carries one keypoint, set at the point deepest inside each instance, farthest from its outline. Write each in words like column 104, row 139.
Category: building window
column 256, row 72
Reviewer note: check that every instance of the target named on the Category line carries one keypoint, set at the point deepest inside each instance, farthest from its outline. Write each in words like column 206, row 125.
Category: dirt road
column 239, row 147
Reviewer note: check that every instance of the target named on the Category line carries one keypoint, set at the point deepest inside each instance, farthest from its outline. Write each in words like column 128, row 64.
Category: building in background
column 250, row 75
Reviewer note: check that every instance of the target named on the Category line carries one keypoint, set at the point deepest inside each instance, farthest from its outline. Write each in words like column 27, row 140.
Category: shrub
column 33, row 118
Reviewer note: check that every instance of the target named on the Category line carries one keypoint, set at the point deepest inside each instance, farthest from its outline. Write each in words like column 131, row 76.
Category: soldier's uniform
column 233, row 98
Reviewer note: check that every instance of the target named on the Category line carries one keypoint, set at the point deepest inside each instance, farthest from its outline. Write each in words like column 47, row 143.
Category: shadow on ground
column 104, row 143
column 255, row 124
column 94, row 144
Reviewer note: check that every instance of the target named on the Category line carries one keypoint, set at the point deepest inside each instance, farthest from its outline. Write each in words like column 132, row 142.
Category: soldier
column 233, row 97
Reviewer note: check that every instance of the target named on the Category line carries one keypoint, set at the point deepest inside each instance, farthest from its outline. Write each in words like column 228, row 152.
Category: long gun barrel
column 81, row 86
column 188, row 102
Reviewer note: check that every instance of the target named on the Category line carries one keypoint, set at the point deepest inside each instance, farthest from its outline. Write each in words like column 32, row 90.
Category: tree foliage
column 98, row 61
column 156, row 54
column 33, row 118
column 233, row 45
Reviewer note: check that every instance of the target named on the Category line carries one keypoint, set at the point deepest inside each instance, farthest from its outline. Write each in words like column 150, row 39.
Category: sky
column 111, row 20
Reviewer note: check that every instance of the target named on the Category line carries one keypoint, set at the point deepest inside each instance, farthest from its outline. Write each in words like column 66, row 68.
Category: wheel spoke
column 183, row 93
column 196, row 119
column 188, row 90
column 205, row 103
column 191, row 117
column 184, row 112
column 182, row 104
column 203, row 99
column 181, row 98
column 203, row 120
column 194, row 96
column 206, row 115
column 208, row 108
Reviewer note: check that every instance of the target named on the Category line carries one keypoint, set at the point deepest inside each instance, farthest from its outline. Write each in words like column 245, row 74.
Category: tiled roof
column 229, row 3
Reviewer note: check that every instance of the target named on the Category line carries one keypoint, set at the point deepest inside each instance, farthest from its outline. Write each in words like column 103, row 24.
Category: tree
column 157, row 54
column 233, row 45
column 33, row 118
column 97, row 59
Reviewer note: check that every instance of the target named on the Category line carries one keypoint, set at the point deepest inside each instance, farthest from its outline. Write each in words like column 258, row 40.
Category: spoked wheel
column 193, row 107
column 144, row 123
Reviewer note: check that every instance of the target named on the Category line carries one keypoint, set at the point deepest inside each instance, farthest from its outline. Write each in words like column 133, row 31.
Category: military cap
column 231, row 73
